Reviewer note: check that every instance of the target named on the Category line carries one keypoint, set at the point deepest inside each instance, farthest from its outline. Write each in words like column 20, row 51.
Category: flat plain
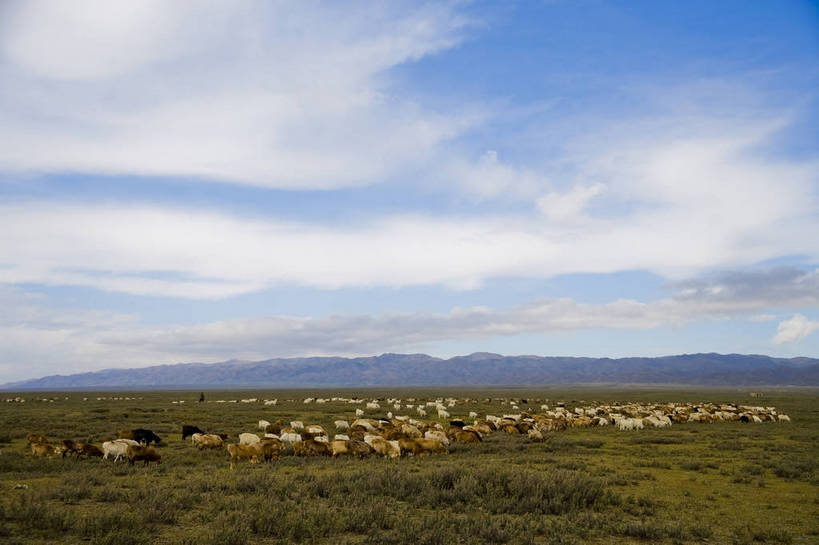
column 722, row 482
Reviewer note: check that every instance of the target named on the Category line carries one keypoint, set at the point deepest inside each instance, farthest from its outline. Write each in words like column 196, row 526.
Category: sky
column 203, row 181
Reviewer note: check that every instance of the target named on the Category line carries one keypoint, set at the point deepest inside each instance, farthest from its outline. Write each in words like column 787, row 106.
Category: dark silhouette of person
column 201, row 397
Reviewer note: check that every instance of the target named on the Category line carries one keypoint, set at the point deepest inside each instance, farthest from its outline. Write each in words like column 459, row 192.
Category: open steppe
column 725, row 482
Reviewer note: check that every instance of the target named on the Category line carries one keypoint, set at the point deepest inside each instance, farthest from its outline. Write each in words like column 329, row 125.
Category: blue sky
column 558, row 178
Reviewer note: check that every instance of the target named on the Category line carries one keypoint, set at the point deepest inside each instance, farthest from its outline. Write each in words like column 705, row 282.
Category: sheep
column 248, row 439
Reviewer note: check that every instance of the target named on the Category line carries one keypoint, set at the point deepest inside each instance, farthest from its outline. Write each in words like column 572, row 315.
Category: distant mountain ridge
column 478, row 369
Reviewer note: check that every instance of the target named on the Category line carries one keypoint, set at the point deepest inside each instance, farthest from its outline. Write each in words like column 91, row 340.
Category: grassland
column 693, row 483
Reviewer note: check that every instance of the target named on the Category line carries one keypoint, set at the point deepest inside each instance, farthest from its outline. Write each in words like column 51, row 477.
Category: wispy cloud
column 717, row 216
column 455, row 182
column 33, row 333
column 284, row 95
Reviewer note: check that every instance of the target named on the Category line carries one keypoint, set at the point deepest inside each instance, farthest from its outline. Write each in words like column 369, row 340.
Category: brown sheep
column 421, row 447
column 147, row 454
column 383, row 447
column 87, row 449
column 243, row 452
column 42, row 449
column 275, row 427
column 467, row 437
column 311, row 447
column 340, row 447
column 211, row 441
column 360, row 448
column 270, row 449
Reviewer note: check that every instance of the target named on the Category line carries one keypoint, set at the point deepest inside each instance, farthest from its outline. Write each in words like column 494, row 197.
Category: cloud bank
column 269, row 94
column 679, row 178
column 33, row 333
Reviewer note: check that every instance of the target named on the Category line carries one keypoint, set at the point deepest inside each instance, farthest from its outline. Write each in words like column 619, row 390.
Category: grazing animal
column 784, row 418
column 297, row 425
column 111, row 448
column 42, row 449
column 118, row 448
column 141, row 435
column 339, row 447
column 367, row 424
column 467, row 437
column 187, row 431
column 483, row 428
column 136, row 453
column 311, row 447
column 360, row 448
column 271, row 447
column 243, row 452
column 67, row 447
column 421, row 447
column 341, row 425
column 87, row 449
column 534, row 434
column 263, row 424
column 315, row 429
column 248, row 439
column 209, row 440
column 288, row 437
column 275, row 427
column 411, row 431
column 437, row 435
column 383, row 447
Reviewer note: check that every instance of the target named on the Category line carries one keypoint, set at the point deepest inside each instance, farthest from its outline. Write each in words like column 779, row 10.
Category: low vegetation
column 728, row 482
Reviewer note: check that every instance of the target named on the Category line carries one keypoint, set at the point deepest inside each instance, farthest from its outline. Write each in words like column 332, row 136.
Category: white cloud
column 198, row 254
column 37, row 340
column 569, row 205
column 277, row 95
column 795, row 329
column 491, row 178
column 89, row 39
column 184, row 253
column 763, row 318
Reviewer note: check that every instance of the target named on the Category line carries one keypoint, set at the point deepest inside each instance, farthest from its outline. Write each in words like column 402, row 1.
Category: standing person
column 201, row 397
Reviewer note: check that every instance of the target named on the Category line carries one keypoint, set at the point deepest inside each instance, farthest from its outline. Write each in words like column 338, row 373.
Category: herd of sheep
column 393, row 435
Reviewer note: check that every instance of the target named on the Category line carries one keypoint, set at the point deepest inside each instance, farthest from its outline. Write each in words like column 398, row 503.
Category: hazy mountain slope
column 473, row 370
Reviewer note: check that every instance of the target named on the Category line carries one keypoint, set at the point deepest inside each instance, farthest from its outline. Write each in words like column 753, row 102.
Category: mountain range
column 478, row 369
